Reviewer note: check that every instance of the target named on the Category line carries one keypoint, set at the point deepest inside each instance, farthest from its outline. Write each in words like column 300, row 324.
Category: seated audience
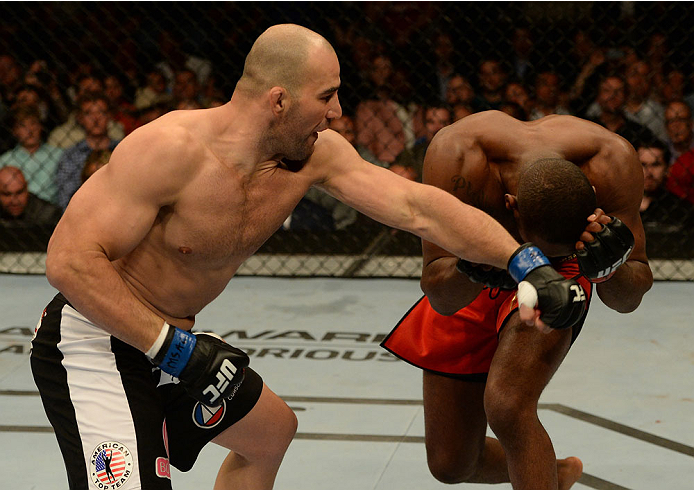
column 37, row 160
column 667, row 219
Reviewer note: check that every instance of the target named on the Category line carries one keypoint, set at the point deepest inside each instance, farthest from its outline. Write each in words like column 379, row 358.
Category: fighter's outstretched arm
column 428, row 212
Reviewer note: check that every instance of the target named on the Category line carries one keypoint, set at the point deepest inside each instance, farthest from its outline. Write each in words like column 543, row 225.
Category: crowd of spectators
column 56, row 130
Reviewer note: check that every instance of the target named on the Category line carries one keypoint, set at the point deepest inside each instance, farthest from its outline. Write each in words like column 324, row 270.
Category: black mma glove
column 207, row 367
column 493, row 278
column 561, row 301
column 612, row 246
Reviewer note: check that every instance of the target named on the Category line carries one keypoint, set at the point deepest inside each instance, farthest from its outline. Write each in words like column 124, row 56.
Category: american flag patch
column 111, row 465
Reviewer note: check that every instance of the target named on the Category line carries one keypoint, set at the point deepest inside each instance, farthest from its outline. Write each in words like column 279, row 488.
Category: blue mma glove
column 207, row 367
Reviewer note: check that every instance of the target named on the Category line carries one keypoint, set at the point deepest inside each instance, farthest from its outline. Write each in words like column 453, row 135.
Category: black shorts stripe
column 51, row 380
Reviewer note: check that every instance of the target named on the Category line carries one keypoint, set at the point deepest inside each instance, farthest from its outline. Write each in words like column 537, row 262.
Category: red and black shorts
column 119, row 420
column 463, row 345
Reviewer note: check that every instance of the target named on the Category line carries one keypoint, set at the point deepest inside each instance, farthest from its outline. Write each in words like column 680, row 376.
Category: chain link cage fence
column 76, row 77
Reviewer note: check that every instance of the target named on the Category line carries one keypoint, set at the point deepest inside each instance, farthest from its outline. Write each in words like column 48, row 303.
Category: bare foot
column 569, row 470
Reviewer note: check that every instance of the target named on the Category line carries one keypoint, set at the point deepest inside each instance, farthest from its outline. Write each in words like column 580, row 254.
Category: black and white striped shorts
column 118, row 420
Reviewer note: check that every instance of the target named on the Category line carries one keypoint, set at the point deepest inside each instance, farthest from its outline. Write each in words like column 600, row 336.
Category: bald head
column 10, row 175
column 279, row 57
column 13, row 191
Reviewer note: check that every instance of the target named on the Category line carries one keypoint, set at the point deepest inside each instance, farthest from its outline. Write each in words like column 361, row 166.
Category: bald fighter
column 482, row 364
column 156, row 235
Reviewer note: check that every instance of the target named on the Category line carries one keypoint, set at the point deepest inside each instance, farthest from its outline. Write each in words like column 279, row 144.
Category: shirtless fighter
column 482, row 364
column 155, row 235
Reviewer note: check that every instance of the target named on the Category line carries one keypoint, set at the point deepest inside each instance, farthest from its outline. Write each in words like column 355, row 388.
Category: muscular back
column 479, row 159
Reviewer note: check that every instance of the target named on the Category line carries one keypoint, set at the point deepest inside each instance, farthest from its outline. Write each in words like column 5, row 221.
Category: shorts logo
column 110, row 465
column 162, row 468
column 207, row 417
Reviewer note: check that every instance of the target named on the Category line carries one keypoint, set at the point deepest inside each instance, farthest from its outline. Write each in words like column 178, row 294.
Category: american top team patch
column 111, row 465
column 207, row 417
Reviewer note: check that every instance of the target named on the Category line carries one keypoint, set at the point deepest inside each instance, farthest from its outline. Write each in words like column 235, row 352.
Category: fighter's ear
column 279, row 100
column 511, row 202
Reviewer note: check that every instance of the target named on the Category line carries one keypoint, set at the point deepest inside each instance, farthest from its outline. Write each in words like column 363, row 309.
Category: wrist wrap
column 527, row 258
column 176, row 351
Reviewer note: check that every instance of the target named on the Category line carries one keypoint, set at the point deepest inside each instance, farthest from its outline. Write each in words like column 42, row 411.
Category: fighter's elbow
column 621, row 303
column 57, row 268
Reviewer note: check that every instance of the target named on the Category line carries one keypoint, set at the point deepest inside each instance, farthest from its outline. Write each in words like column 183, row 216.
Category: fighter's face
column 315, row 106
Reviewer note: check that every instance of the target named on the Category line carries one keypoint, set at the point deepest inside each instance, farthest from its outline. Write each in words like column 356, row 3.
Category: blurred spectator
column 40, row 76
column 20, row 207
column 82, row 73
column 491, row 79
column 154, row 91
column 32, row 96
column 681, row 177
column 10, row 78
column 640, row 107
column 37, row 160
column 377, row 123
column 459, row 91
column 174, row 58
column 211, row 95
column 516, row 93
column 186, row 89
column 523, row 57
column 26, row 97
column 444, row 68
column 657, row 52
column 673, row 86
column 667, row 218
column 93, row 117
column 678, row 124
column 584, row 87
column 435, row 118
column 547, row 96
column 95, row 160
column 608, row 111
column 71, row 132
column 122, row 110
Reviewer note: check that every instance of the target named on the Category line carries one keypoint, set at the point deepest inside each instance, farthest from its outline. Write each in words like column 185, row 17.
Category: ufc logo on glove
column 224, row 376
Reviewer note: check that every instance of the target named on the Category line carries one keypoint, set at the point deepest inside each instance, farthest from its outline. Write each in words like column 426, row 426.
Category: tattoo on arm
column 463, row 187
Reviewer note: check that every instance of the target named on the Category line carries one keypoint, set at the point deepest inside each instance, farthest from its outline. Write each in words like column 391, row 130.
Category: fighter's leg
column 257, row 442
column 455, row 427
column 523, row 364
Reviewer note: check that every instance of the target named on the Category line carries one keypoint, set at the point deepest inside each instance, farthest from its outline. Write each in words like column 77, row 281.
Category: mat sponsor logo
column 207, row 417
column 301, row 344
column 111, row 465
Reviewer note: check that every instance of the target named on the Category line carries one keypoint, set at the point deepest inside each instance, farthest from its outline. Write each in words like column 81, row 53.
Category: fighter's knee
column 450, row 469
column 287, row 424
column 507, row 409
